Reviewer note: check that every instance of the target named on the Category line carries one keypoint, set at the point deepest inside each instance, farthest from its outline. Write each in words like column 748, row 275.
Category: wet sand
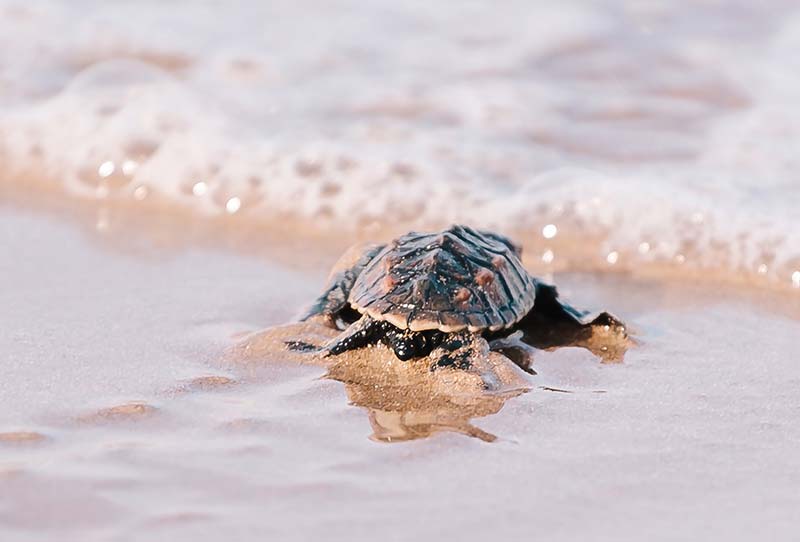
column 123, row 416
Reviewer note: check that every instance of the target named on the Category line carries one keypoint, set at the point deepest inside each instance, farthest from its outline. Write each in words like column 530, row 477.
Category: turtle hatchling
column 449, row 295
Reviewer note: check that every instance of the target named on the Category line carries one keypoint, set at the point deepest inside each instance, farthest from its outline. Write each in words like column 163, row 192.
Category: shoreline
column 122, row 223
column 279, row 258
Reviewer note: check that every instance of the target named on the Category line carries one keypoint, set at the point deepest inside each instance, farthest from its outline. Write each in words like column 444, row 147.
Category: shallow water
column 138, row 427
column 657, row 139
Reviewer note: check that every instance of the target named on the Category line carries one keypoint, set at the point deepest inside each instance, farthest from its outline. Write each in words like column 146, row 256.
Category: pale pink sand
column 122, row 421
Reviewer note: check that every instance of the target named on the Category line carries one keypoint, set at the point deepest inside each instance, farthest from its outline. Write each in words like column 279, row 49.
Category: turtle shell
column 456, row 279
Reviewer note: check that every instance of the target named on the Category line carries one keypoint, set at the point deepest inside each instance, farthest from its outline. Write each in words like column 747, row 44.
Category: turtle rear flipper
column 552, row 323
column 461, row 349
column 458, row 350
column 515, row 349
column 332, row 304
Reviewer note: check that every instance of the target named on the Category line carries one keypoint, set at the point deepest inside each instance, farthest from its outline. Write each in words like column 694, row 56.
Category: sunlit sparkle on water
column 106, row 169
column 549, row 231
column 233, row 205
column 140, row 192
column 199, row 188
column 129, row 167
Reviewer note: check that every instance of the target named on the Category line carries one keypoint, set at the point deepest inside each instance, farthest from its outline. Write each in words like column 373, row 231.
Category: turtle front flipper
column 332, row 304
column 359, row 334
column 552, row 323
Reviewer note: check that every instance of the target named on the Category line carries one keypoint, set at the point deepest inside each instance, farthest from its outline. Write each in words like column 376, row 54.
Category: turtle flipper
column 357, row 335
column 333, row 301
column 515, row 349
column 552, row 323
column 458, row 350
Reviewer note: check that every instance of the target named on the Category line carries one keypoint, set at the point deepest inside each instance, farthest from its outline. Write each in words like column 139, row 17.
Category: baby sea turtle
column 449, row 295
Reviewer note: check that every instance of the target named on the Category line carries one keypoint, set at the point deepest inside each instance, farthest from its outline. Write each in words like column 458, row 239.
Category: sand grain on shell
column 405, row 399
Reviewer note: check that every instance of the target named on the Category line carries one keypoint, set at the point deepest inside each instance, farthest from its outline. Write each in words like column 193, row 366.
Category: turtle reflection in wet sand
column 404, row 400
column 442, row 295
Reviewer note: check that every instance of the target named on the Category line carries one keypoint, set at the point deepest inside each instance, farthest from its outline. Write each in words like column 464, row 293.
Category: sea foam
column 636, row 135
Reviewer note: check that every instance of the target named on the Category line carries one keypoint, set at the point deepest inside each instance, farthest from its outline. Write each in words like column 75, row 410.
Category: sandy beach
column 177, row 179
column 122, row 417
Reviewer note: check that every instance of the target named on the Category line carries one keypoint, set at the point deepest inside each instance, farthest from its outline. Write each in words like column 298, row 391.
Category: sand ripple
column 126, row 412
